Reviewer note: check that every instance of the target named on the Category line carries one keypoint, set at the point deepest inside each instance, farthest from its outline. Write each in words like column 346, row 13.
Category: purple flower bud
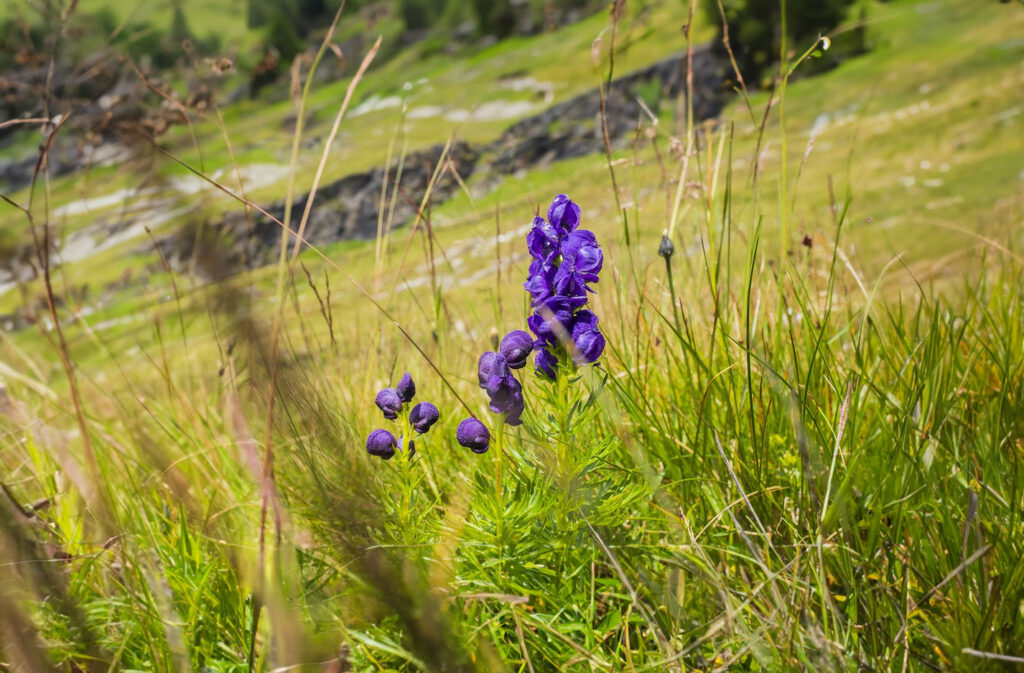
column 389, row 403
column 516, row 347
column 406, row 388
column 412, row 446
column 545, row 363
column 473, row 435
column 564, row 214
column 422, row 416
column 381, row 443
column 490, row 364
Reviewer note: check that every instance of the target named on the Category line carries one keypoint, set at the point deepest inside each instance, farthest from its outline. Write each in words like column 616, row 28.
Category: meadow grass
column 808, row 461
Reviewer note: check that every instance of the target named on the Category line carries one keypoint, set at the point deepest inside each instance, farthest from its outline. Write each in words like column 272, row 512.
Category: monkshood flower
column 515, row 348
column 566, row 260
column 543, row 242
column 406, row 388
column 552, row 320
column 391, row 402
column 473, row 435
column 564, row 214
column 490, row 365
column 540, row 282
column 494, row 376
column 422, row 416
column 581, row 250
column 381, row 443
column 588, row 339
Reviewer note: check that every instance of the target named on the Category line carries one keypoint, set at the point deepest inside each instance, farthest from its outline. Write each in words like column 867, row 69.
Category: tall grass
column 782, row 466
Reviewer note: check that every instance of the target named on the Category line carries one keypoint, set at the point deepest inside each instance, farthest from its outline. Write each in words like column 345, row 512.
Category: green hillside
column 799, row 450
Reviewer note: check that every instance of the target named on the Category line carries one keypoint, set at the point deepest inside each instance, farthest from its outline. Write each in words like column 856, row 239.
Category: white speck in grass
column 425, row 112
column 907, row 181
column 820, row 124
column 943, row 203
column 925, row 164
column 407, row 86
column 374, row 103
column 934, row 182
column 944, row 167
column 1006, row 115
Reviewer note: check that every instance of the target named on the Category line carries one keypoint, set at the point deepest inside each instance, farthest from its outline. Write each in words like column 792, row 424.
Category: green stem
column 499, row 435
column 499, row 488
column 405, row 507
column 672, row 294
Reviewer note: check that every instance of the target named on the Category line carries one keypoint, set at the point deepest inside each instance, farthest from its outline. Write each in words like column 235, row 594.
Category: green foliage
column 815, row 466
column 495, row 17
column 179, row 25
column 419, row 14
column 281, row 35
column 755, row 27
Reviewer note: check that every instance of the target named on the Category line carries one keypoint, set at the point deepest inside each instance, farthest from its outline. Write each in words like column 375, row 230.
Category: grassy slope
column 259, row 133
column 878, row 130
column 929, row 418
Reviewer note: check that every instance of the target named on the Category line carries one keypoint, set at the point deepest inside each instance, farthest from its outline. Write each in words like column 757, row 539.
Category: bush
column 419, row 14
column 755, row 27
column 495, row 17
column 281, row 36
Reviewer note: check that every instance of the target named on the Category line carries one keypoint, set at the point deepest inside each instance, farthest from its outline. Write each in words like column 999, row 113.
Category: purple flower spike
column 389, row 403
column 559, row 286
column 516, row 347
column 473, row 435
column 406, row 388
column 491, row 364
column 422, row 416
column 564, row 214
column 381, row 443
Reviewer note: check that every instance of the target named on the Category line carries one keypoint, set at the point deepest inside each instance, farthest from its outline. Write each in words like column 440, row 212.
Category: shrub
column 755, row 27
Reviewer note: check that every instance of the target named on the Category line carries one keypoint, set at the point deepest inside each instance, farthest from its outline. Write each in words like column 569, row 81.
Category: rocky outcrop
column 574, row 128
column 350, row 207
column 345, row 209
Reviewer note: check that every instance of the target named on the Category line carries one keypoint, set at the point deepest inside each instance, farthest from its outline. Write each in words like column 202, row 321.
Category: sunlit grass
column 815, row 466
